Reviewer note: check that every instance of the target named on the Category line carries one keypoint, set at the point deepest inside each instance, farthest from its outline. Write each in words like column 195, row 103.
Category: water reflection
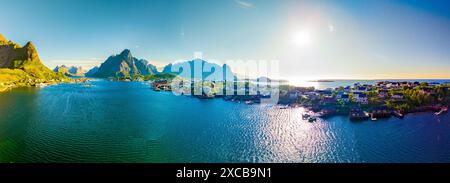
column 304, row 83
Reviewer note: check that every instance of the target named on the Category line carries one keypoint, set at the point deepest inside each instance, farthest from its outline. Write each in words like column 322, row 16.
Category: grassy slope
column 25, row 68
column 11, row 77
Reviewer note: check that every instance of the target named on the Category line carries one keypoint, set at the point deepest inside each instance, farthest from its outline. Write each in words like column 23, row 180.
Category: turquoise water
column 129, row 122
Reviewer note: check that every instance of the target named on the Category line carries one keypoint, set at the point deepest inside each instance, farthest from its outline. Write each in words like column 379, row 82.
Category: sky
column 346, row 39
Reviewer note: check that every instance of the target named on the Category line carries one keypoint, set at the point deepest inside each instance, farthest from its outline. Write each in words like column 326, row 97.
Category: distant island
column 69, row 70
column 322, row 80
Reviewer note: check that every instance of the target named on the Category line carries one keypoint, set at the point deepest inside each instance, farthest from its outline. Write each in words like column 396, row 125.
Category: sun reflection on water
column 303, row 82
column 291, row 138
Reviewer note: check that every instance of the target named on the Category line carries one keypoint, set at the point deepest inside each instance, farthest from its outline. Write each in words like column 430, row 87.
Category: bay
column 128, row 122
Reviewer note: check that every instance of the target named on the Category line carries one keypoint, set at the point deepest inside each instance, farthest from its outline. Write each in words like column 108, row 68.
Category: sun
column 302, row 38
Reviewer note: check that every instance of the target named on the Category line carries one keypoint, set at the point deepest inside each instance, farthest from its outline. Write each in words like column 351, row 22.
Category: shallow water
column 128, row 122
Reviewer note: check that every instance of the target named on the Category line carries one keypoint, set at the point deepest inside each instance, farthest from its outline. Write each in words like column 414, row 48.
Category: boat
column 398, row 114
column 305, row 116
column 284, row 107
column 249, row 102
column 373, row 118
column 312, row 119
column 443, row 110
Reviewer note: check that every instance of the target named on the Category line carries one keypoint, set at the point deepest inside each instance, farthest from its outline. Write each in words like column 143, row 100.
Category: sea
column 105, row 121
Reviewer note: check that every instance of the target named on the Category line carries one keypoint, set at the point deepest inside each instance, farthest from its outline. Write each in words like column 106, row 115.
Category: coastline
column 4, row 88
column 8, row 87
column 360, row 102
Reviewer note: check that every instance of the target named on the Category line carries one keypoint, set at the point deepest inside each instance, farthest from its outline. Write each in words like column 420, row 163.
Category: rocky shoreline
column 38, row 83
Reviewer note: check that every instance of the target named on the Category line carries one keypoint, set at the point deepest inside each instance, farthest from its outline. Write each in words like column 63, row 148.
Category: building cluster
column 359, row 101
column 159, row 85
column 362, row 100
column 359, row 93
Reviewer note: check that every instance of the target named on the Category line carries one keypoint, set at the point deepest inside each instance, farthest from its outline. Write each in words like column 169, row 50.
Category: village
column 359, row 101
column 364, row 101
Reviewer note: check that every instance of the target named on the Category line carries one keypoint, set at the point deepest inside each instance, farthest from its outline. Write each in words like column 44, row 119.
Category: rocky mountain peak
column 31, row 51
column 124, row 65
column 126, row 54
column 69, row 70
column 26, row 58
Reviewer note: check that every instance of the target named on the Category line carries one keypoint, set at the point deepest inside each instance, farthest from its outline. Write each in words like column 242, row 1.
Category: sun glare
column 302, row 38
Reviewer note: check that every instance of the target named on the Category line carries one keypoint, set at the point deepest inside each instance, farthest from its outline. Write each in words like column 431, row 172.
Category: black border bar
column 167, row 172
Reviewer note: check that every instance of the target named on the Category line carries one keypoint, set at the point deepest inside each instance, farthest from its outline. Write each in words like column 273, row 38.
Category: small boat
column 373, row 118
column 443, row 110
column 284, row 107
column 248, row 102
column 398, row 114
column 305, row 116
column 312, row 119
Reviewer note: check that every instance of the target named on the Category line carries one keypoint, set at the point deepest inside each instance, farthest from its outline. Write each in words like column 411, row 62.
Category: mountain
column 91, row 72
column 69, row 71
column 124, row 65
column 226, row 70
column 26, row 59
column 167, row 69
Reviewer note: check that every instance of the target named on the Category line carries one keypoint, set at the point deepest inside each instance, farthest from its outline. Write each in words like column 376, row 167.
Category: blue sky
column 311, row 39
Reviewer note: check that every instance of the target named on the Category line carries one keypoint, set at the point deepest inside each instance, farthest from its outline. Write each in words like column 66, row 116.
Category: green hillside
column 21, row 66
